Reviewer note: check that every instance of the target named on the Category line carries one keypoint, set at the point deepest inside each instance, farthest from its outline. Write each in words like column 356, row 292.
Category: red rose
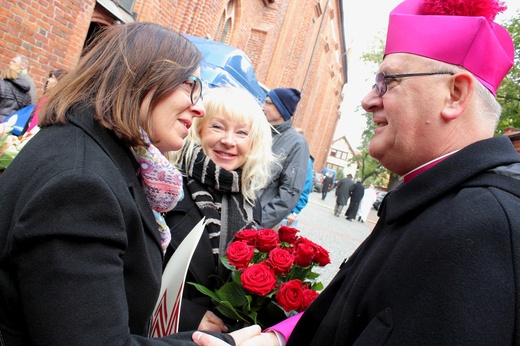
column 239, row 254
column 287, row 234
column 321, row 256
column 267, row 240
column 304, row 255
column 308, row 297
column 290, row 295
column 280, row 260
column 248, row 235
column 259, row 279
column 307, row 241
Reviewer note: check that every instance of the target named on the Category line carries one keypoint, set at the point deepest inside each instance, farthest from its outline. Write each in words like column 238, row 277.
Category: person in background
column 326, row 186
column 343, row 193
column 307, row 189
column 226, row 158
column 288, row 179
column 81, row 233
column 23, row 62
column 357, row 191
column 14, row 91
column 52, row 80
column 369, row 197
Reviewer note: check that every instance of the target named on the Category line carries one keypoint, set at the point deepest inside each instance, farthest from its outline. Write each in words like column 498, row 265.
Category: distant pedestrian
column 52, row 80
column 14, row 91
column 357, row 192
column 343, row 194
column 23, row 62
column 366, row 203
column 326, row 186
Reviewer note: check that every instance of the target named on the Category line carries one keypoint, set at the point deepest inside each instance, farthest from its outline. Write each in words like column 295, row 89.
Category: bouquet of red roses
column 272, row 276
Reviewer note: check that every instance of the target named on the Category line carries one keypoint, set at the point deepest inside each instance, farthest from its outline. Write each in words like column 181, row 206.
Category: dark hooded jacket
column 14, row 95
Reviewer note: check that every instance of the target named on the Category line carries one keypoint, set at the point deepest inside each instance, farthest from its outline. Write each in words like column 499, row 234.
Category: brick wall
column 289, row 42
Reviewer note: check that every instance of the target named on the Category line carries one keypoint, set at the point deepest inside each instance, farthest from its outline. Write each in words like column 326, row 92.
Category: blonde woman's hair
column 237, row 105
column 11, row 72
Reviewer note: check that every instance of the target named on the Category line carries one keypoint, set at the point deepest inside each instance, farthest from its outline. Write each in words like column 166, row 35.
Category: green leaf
column 318, row 286
column 312, row 275
column 225, row 262
column 206, row 291
column 233, row 293
column 236, row 277
column 254, row 317
column 229, row 311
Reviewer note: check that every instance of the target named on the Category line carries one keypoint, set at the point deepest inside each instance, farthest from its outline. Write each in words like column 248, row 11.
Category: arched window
column 226, row 22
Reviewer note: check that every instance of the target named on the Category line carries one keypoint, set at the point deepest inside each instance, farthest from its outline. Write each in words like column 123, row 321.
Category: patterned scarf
column 162, row 184
column 216, row 193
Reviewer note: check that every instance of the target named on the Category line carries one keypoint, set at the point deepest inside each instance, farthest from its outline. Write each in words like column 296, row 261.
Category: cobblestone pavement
column 336, row 234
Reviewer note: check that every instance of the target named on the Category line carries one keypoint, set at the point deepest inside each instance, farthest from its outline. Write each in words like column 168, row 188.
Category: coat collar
column 123, row 158
column 447, row 175
column 281, row 128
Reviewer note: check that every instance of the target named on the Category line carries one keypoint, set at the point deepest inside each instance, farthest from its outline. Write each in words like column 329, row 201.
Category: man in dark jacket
column 343, row 193
column 288, row 179
column 23, row 62
column 442, row 265
column 326, row 186
column 357, row 191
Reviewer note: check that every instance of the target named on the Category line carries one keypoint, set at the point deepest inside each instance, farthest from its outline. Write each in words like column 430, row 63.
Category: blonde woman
column 226, row 159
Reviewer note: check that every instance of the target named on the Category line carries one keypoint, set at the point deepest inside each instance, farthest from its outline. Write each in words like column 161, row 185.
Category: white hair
column 488, row 107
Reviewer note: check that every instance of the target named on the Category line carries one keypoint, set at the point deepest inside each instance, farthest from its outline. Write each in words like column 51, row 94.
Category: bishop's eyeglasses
column 381, row 79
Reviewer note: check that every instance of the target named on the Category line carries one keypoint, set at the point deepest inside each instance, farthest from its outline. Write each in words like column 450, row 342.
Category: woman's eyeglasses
column 196, row 88
column 381, row 79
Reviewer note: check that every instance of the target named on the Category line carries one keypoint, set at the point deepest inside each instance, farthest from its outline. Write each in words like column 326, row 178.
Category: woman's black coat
column 80, row 253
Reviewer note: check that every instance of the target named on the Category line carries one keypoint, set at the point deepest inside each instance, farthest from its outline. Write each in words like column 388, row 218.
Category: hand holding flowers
column 272, row 276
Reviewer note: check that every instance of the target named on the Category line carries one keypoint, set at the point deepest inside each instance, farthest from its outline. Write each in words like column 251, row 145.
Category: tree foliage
column 508, row 94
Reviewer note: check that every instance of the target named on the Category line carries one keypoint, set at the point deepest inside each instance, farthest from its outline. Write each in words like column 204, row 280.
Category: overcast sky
column 365, row 22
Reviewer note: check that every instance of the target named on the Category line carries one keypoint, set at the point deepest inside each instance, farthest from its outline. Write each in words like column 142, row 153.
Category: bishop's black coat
column 442, row 266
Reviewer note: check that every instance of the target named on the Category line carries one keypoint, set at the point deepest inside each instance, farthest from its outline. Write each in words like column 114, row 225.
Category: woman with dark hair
column 82, row 238
column 52, row 80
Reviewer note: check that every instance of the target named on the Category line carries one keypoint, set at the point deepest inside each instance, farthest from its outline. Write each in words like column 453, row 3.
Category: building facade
column 339, row 157
column 297, row 44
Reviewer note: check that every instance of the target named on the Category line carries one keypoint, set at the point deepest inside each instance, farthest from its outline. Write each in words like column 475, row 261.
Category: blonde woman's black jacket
column 80, row 254
column 202, row 269
column 442, row 265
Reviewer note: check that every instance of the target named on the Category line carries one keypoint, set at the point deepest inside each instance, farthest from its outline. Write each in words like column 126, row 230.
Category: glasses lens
column 380, row 84
column 196, row 89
